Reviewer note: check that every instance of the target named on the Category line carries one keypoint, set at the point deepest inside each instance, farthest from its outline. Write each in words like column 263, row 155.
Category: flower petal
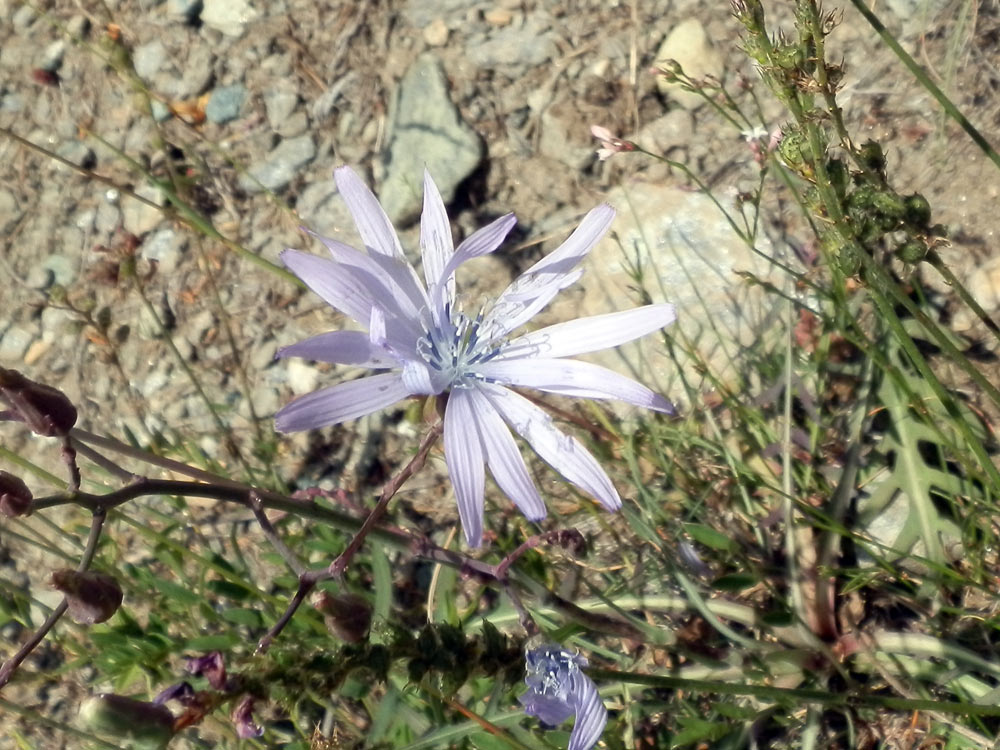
column 591, row 715
column 504, row 459
column 481, row 242
column 535, row 288
column 562, row 452
column 591, row 334
column 341, row 348
column 463, row 453
column 341, row 402
column 373, row 225
column 337, row 285
column 570, row 377
column 546, row 708
column 436, row 244
column 392, row 282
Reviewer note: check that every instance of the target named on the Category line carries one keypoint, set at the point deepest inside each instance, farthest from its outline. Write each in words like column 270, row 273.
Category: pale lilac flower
column 558, row 689
column 430, row 346
column 610, row 143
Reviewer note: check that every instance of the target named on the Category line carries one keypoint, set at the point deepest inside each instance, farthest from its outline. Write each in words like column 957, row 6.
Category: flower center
column 456, row 345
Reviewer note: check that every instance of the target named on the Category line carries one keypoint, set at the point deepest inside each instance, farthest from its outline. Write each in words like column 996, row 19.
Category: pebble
column 62, row 269
column 148, row 58
column 321, row 208
column 228, row 16
column 279, row 103
column 673, row 129
column 427, row 131
column 166, row 247
column 436, row 33
column 78, row 153
column 139, row 218
column 688, row 44
column 160, row 111
column 52, row 57
column 37, row 350
column 529, row 45
column 498, row 16
column 10, row 212
column 186, row 10
column 225, row 103
column 302, row 377
column 280, row 166
column 14, row 344
column 24, row 17
column 78, row 27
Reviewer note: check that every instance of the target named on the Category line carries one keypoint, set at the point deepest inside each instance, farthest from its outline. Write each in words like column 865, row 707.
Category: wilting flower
column 242, row 718
column 211, row 666
column 610, row 143
column 431, row 347
column 558, row 689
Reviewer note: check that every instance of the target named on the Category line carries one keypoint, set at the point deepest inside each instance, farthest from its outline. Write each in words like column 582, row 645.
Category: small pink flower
column 610, row 144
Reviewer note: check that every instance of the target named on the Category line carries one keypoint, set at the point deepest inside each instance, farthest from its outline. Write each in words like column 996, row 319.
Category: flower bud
column 46, row 410
column 15, row 497
column 92, row 597
column 141, row 725
column 347, row 616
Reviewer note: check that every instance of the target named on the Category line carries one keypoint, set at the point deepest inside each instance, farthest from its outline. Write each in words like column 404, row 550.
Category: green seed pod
column 791, row 149
column 912, row 251
column 889, row 210
column 849, row 259
column 139, row 725
column 872, row 156
column 918, row 211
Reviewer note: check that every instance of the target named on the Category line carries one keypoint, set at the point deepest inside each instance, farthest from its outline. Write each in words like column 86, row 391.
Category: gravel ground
column 254, row 103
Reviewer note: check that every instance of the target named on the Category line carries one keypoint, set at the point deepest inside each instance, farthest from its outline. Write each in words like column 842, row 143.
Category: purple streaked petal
column 591, row 715
column 481, row 242
column 336, row 284
column 341, row 402
column 390, row 282
column 546, row 708
column 340, row 348
column 436, row 243
column 536, row 287
column 564, row 453
column 373, row 225
column 463, row 453
column 570, row 377
column 591, row 334
column 504, row 459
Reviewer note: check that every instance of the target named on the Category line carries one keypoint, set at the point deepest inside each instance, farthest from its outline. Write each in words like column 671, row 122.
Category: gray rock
column 186, row 10
column 10, row 212
column 52, row 57
column 107, row 219
column 24, row 17
column 279, row 103
column 160, row 111
column 61, row 267
column 166, row 247
column 78, row 153
column 231, row 17
column 15, row 343
column 148, row 58
column 78, row 27
column 11, row 102
column 280, row 166
column 692, row 260
column 419, row 13
column 323, row 210
column 139, row 218
column 688, row 44
column 225, row 103
column 427, row 130
column 295, row 125
column 529, row 45
column 198, row 71
column 302, row 376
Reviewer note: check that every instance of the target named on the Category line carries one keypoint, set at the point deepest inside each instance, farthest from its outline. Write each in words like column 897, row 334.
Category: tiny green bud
column 140, row 725
column 918, row 210
column 913, row 251
column 872, row 156
column 839, row 176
